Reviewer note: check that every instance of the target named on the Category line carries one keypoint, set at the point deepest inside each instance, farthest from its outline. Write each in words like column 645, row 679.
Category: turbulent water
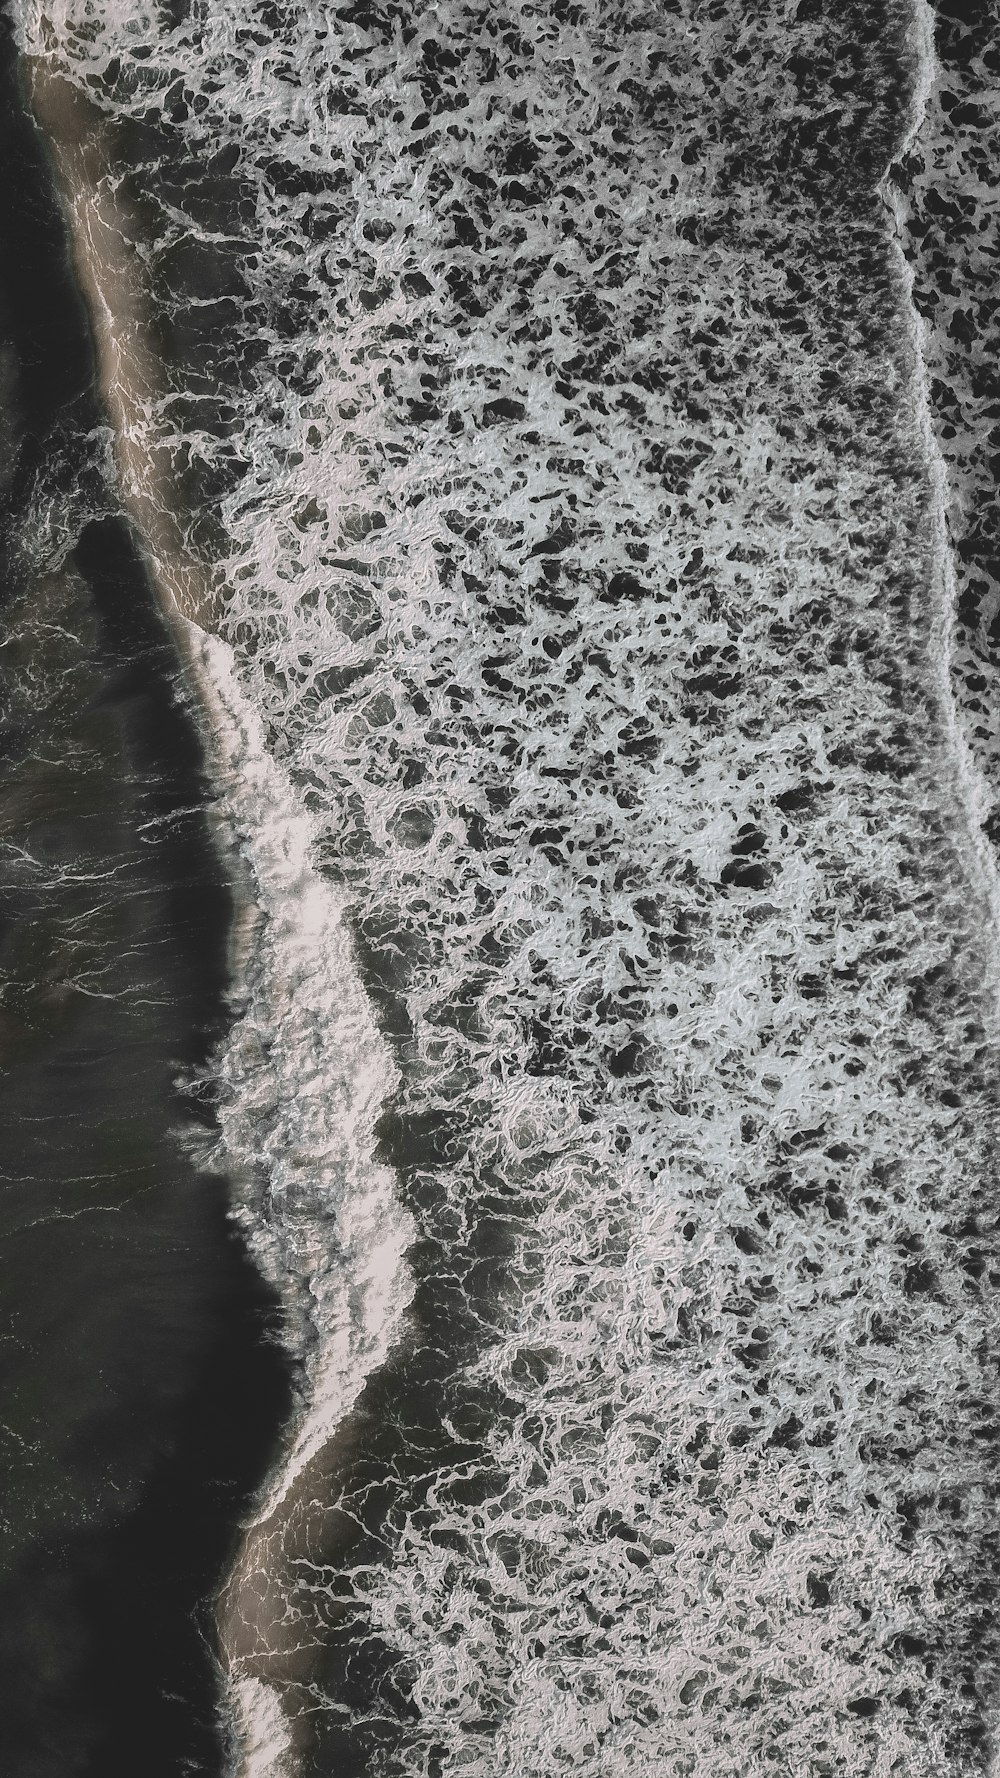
column 580, row 411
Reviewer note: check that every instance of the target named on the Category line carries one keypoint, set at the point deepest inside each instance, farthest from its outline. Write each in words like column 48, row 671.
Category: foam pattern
column 583, row 527
column 952, row 239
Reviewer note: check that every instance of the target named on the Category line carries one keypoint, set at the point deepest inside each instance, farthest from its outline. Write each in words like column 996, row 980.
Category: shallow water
column 547, row 388
column 141, row 1388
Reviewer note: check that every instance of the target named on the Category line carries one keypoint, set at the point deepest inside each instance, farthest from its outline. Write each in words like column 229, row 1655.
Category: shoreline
column 143, row 1379
column 282, row 912
column 126, row 372
column 269, row 1608
column 970, row 791
column 76, row 137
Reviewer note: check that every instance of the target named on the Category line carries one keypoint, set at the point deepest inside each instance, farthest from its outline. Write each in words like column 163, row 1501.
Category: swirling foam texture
column 951, row 237
column 582, row 522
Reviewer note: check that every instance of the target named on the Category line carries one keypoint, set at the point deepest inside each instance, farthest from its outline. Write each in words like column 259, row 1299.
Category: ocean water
column 559, row 405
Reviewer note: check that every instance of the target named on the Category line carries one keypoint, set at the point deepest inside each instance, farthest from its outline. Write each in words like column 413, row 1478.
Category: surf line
column 969, row 789
column 305, row 1010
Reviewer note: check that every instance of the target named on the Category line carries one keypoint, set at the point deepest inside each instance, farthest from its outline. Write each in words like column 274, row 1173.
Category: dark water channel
column 141, row 1389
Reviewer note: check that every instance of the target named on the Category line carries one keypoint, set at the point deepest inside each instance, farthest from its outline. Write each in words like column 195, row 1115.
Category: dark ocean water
column 140, row 1386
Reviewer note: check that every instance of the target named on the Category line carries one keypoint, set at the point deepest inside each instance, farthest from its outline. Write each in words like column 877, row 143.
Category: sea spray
column 583, row 564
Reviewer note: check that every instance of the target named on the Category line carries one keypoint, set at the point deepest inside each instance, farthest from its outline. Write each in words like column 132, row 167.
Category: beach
column 143, row 1385
column 537, row 431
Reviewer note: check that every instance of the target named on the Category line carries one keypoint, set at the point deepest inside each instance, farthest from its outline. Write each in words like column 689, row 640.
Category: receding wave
column 544, row 390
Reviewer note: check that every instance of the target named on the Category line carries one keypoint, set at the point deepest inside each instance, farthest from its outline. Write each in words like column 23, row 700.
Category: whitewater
column 529, row 418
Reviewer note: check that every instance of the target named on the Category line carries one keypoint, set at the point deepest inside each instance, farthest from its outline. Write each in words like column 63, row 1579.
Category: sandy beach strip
column 259, row 1640
column 109, row 272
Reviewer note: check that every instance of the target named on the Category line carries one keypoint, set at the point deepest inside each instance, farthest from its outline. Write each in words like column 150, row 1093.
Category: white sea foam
column 579, row 590
column 952, row 224
column 973, row 793
column 266, row 1749
column 304, row 1075
column 301, row 1080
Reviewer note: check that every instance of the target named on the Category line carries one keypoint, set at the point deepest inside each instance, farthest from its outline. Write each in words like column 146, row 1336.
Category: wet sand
column 258, row 1642
column 106, row 263
column 141, row 1383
